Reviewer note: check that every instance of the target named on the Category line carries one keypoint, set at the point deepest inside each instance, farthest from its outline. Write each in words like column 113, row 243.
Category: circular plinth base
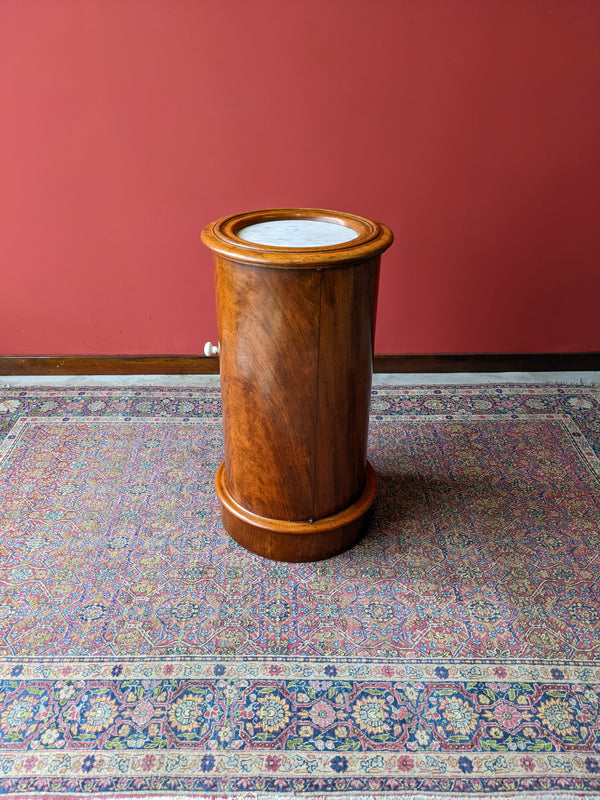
column 296, row 541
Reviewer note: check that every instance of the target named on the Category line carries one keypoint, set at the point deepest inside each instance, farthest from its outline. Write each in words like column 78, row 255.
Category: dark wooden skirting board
column 108, row 365
column 489, row 362
column 201, row 365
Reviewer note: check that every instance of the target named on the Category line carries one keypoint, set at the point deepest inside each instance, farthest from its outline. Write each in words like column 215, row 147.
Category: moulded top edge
column 296, row 237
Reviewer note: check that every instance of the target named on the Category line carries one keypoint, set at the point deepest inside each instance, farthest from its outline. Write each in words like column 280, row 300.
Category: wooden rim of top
column 371, row 240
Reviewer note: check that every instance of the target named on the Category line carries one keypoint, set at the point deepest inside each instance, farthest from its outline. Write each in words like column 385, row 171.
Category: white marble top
column 297, row 233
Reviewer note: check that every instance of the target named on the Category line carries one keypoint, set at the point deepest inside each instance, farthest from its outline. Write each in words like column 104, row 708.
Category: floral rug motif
column 455, row 650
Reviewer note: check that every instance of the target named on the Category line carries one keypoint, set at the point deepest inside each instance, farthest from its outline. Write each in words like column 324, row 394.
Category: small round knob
column 211, row 349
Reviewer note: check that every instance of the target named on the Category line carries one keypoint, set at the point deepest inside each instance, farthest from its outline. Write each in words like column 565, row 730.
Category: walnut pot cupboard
column 296, row 295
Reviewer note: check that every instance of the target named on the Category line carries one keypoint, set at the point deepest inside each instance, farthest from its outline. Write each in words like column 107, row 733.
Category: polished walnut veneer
column 296, row 327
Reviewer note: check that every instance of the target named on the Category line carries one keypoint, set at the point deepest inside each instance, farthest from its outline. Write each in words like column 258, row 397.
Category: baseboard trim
column 490, row 362
column 108, row 365
column 201, row 365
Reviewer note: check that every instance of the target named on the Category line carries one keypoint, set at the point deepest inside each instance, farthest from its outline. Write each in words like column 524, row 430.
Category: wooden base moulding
column 285, row 540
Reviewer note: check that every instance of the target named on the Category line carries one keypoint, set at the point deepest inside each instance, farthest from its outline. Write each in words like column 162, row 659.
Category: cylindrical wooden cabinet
column 296, row 293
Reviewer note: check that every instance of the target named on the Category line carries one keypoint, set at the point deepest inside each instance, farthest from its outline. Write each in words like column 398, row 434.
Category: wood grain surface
column 296, row 331
column 269, row 335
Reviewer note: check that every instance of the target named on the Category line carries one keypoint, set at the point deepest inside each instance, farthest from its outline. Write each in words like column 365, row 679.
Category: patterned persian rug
column 454, row 651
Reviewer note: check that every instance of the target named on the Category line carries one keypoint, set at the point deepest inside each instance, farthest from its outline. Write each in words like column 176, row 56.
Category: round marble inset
column 297, row 233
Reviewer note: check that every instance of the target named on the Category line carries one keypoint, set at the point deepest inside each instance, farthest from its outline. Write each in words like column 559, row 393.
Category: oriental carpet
column 455, row 651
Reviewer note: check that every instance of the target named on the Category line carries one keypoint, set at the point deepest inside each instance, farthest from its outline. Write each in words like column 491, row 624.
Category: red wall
column 471, row 128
